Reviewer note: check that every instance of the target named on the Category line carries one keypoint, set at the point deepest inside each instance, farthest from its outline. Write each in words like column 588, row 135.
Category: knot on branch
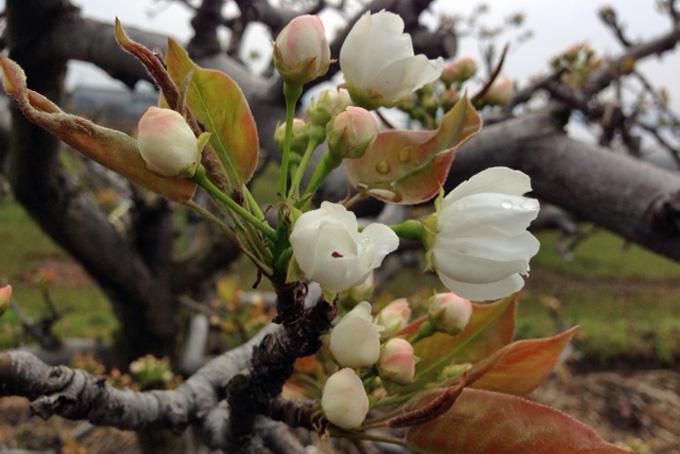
column 665, row 213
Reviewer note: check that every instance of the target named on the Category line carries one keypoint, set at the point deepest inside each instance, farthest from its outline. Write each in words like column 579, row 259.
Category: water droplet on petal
column 383, row 167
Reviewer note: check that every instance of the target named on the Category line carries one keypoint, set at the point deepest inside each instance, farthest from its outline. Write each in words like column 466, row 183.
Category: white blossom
column 482, row 248
column 379, row 64
column 344, row 400
column 355, row 340
column 330, row 250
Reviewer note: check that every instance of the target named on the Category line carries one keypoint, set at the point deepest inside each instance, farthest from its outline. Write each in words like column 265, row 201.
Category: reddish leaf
column 523, row 365
column 490, row 328
column 218, row 102
column 486, row 422
column 408, row 167
column 109, row 147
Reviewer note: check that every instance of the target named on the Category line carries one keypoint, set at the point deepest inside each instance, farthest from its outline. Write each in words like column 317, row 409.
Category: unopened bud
column 5, row 297
column 458, row 71
column 298, row 141
column 393, row 317
column 355, row 341
column 449, row 313
column 397, row 363
column 351, row 132
column 301, row 51
column 329, row 103
column 448, row 98
column 167, row 143
column 344, row 400
column 500, row 93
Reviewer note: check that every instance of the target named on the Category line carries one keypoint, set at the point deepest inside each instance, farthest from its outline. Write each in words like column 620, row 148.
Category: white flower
column 378, row 63
column 482, row 247
column 330, row 250
column 344, row 400
column 301, row 51
column 355, row 340
column 167, row 143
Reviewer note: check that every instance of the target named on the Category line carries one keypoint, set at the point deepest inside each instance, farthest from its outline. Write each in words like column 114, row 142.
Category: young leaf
column 111, row 148
column 408, row 167
column 489, row 329
column 217, row 102
column 486, row 422
column 523, row 365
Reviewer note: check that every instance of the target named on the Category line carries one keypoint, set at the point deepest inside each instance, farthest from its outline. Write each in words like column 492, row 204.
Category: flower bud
column 351, row 132
column 298, row 141
column 448, row 98
column 397, row 363
column 167, row 143
column 328, row 104
column 355, row 341
column 344, row 400
column 362, row 291
column 5, row 297
column 449, row 313
column 500, row 93
column 458, row 71
column 393, row 317
column 301, row 51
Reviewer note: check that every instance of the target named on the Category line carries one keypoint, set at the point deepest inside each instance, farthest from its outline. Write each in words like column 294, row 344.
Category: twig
column 493, row 76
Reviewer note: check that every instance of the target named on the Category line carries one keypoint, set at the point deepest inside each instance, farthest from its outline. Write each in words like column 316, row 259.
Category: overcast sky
column 555, row 24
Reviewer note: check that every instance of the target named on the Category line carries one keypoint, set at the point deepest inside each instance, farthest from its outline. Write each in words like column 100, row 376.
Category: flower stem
column 300, row 171
column 410, row 229
column 292, row 93
column 252, row 203
column 202, row 180
column 424, row 330
column 323, row 169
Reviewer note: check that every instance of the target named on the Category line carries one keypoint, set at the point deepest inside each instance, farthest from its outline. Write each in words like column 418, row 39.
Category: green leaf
column 407, row 167
column 523, row 365
column 219, row 104
column 490, row 328
column 486, row 422
column 111, row 148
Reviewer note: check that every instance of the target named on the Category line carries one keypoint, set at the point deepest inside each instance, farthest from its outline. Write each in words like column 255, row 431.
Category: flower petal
column 383, row 238
column 484, row 292
column 374, row 41
column 491, row 243
column 401, row 77
column 475, row 270
column 501, row 180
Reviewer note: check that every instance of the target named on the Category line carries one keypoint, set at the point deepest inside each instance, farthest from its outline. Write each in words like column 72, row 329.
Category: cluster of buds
column 459, row 71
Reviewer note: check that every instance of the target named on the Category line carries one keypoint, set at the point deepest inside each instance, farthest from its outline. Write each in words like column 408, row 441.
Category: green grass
column 624, row 298
column 29, row 257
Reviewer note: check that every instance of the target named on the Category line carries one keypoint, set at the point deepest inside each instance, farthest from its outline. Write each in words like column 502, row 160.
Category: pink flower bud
column 394, row 317
column 329, row 103
column 448, row 98
column 351, row 132
column 301, row 51
column 459, row 71
column 167, row 143
column 449, row 313
column 5, row 297
column 344, row 400
column 355, row 340
column 397, row 363
column 500, row 93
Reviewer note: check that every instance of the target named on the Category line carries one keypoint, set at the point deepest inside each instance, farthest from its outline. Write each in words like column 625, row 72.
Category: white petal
column 484, row 292
column 494, row 179
column 509, row 213
column 491, row 243
column 401, row 77
column 383, row 238
column 475, row 270
column 374, row 42
column 340, row 214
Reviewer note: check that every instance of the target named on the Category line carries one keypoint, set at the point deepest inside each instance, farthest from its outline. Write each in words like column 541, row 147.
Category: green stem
column 202, row 180
column 252, row 203
column 410, row 229
column 426, row 329
column 326, row 165
column 394, row 400
column 300, row 171
column 291, row 92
